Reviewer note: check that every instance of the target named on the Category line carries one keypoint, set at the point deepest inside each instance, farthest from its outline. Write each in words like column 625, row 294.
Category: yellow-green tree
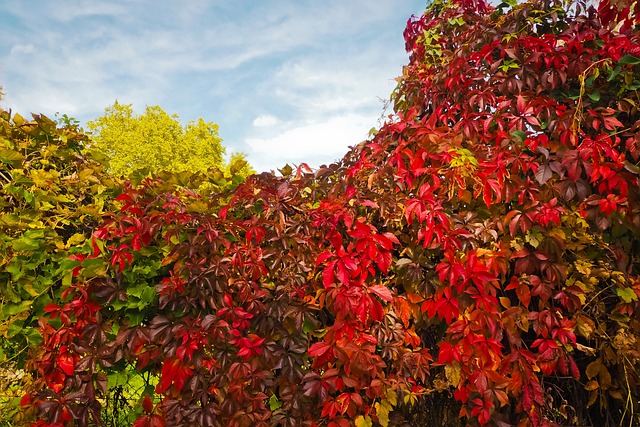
column 157, row 141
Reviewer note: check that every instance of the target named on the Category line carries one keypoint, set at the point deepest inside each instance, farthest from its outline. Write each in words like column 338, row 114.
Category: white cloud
column 314, row 143
column 265, row 120
column 22, row 49
column 330, row 103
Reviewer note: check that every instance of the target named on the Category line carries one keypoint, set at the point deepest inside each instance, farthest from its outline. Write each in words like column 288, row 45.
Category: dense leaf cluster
column 478, row 255
column 52, row 198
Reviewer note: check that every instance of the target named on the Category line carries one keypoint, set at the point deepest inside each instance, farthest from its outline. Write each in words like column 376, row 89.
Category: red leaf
column 328, row 276
column 142, row 421
column 522, row 290
column 228, row 300
column 222, row 213
column 375, row 311
column 26, row 399
column 173, row 372
column 66, row 362
column 343, row 273
column 51, row 307
column 157, row 421
column 318, row 349
column 136, row 242
column 382, row 291
column 392, row 238
column 383, row 261
column 147, row 404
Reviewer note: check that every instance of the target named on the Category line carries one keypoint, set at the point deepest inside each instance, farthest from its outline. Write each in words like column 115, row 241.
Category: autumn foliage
column 473, row 262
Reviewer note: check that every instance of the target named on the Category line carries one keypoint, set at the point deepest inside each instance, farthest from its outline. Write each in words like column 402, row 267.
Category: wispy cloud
column 70, row 11
column 22, row 49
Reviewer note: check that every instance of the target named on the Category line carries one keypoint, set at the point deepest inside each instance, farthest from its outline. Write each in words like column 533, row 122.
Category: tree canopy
column 155, row 140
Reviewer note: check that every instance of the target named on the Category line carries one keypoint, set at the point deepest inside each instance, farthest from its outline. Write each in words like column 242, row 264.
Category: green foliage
column 156, row 141
column 51, row 198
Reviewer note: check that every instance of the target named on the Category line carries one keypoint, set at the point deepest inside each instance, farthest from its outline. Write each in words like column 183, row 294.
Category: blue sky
column 288, row 81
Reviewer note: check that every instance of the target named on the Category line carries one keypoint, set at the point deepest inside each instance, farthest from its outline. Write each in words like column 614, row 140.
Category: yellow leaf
column 18, row 119
column 30, row 290
column 557, row 233
column 593, row 368
column 410, row 398
column 583, row 266
column 453, row 374
column 75, row 239
column 585, row 326
column 363, row 421
column 524, row 323
column 383, row 408
column 392, row 397
column 482, row 252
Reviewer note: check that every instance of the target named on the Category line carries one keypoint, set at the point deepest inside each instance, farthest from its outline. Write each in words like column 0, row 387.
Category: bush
column 472, row 263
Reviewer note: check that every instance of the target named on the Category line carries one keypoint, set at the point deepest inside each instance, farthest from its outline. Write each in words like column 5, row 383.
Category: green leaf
column 520, row 135
column 614, row 73
column 28, row 287
column 308, row 326
column 135, row 318
column 632, row 167
column 148, row 295
column 92, row 267
column 33, row 336
column 274, row 403
column 629, row 59
column 627, row 294
column 117, row 378
column 14, row 329
column 594, row 96
column 25, row 244
column 12, row 309
column 10, row 156
column 136, row 291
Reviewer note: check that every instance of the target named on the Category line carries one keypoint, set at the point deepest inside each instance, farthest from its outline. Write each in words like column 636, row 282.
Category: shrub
column 477, row 254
